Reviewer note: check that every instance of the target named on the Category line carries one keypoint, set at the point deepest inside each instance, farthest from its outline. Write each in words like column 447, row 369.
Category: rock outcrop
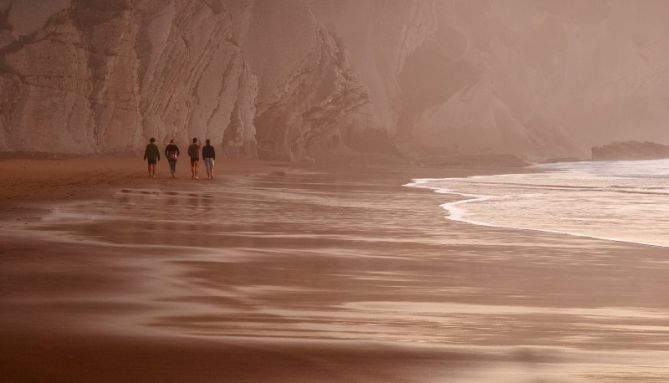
column 295, row 79
column 631, row 150
column 260, row 78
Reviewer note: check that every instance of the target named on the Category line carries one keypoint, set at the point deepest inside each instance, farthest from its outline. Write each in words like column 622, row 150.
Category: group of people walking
column 152, row 156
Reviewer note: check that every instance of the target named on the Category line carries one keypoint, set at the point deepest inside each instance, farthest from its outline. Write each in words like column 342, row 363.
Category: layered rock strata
column 294, row 79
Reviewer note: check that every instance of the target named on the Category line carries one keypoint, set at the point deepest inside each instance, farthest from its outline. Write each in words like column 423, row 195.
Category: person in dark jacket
column 209, row 155
column 194, row 154
column 172, row 154
column 152, row 155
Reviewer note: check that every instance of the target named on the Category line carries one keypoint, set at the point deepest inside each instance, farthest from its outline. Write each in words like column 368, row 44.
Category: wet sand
column 273, row 273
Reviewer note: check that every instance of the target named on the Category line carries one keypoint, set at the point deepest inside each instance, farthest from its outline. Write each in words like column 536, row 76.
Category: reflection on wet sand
column 364, row 269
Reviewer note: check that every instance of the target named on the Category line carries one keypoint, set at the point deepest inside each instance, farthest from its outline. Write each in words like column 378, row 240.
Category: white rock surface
column 294, row 79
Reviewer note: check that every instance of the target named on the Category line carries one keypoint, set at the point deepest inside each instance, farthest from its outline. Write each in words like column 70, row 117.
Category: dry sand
column 284, row 274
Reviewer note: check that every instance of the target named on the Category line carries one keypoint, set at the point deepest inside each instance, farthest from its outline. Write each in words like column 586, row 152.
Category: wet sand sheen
column 319, row 277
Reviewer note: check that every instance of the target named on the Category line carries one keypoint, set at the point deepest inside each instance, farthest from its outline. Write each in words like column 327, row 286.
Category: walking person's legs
column 152, row 169
column 209, row 163
column 173, row 167
column 193, row 168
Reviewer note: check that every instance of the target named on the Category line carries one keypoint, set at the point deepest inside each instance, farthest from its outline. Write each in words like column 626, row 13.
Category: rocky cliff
column 299, row 78
column 261, row 78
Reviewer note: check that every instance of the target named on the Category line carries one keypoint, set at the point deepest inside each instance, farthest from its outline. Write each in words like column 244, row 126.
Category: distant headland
column 630, row 150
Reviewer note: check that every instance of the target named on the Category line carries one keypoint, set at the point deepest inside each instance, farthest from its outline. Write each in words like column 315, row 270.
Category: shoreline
column 55, row 177
column 64, row 177
column 463, row 199
column 454, row 212
column 32, row 183
column 307, row 273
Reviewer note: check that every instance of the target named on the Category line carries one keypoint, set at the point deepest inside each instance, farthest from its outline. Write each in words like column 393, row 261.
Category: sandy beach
column 283, row 273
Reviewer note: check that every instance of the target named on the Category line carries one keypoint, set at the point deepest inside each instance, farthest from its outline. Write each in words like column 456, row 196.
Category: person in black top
column 172, row 153
column 209, row 155
column 194, row 153
column 152, row 155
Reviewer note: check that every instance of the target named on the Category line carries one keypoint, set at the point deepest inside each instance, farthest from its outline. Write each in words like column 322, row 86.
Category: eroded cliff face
column 294, row 79
column 537, row 78
column 104, row 76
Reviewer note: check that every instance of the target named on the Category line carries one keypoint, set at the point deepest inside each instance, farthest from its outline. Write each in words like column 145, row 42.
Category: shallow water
column 319, row 257
column 616, row 200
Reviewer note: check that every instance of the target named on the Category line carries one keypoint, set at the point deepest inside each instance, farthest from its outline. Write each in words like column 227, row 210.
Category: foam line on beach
column 457, row 214
column 454, row 308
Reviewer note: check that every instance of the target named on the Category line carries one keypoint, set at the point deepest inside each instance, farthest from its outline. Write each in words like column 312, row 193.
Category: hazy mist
column 295, row 79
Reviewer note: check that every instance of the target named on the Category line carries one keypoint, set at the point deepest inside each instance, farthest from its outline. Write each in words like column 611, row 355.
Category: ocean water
column 625, row 201
column 322, row 262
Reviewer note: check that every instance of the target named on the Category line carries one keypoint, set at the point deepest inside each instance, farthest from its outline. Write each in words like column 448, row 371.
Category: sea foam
column 625, row 201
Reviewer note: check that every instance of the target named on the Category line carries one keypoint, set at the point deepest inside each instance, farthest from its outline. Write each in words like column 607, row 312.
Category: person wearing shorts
column 209, row 155
column 194, row 154
column 172, row 154
column 151, row 156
